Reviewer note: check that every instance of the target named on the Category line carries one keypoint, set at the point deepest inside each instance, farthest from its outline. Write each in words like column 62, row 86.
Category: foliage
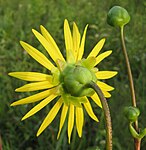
column 17, row 18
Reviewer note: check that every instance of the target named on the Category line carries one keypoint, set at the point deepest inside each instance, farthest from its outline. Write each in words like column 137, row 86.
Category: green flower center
column 75, row 79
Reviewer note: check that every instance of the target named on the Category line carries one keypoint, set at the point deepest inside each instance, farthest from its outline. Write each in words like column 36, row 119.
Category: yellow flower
column 66, row 83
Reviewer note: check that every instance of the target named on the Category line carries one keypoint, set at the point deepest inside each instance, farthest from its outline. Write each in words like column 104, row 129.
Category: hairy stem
column 107, row 116
column 136, row 141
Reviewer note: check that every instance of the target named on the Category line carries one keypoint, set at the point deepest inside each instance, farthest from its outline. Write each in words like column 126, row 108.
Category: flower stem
column 128, row 68
column 136, row 141
column 107, row 116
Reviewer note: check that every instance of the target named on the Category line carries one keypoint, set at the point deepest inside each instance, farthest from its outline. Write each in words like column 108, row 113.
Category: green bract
column 117, row 16
column 131, row 113
column 75, row 79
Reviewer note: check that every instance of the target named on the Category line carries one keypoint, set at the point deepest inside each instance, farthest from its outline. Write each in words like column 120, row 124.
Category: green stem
column 137, row 136
column 107, row 116
column 137, row 144
column 128, row 68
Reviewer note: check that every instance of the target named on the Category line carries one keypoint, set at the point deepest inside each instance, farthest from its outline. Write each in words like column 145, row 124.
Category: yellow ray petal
column 31, row 76
column 76, row 39
column 96, row 99
column 70, row 121
column 104, row 86
column 51, row 45
column 35, row 86
column 81, row 49
column 105, row 74
column 68, row 42
column 97, row 48
column 38, row 56
column 102, row 56
column 79, row 120
column 53, row 52
column 50, row 117
column 106, row 94
column 39, row 106
column 35, row 97
column 62, row 118
column 90, row 111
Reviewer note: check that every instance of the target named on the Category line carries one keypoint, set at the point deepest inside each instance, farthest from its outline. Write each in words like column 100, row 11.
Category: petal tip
column 96, row 120
column 38, row 133
column 18, row 90
column 13, row 104
column 42, row 27
column 58, row 136
column 116, row 72
column 104, row 39
column 80, row 136
column 23, row 118
column 34, row 31
column 68, row 140
column 110, row 51
column 21, row 42
column 65, row 20
column 86, row 26
column 10, row 73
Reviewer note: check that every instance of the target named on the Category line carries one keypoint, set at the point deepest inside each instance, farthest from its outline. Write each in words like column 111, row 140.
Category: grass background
column 17, row 18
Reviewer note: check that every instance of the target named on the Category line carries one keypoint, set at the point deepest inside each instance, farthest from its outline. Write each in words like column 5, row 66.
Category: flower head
column 118, row 16
column 67, row 83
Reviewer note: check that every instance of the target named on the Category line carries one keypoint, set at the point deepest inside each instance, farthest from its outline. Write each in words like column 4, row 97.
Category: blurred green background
column 17, row 18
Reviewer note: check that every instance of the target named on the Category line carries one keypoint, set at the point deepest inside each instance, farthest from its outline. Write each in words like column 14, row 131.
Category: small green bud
column 131, row 113
column 118, row 16
column 75, row 80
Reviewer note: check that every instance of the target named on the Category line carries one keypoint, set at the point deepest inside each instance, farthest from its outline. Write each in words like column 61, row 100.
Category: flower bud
column 117, row 16
column 131, row 113
column 75, row 80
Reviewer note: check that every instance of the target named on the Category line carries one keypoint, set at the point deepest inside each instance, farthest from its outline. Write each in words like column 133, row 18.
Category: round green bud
column 75, row 80
column 118, row 16
column 131, row 113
